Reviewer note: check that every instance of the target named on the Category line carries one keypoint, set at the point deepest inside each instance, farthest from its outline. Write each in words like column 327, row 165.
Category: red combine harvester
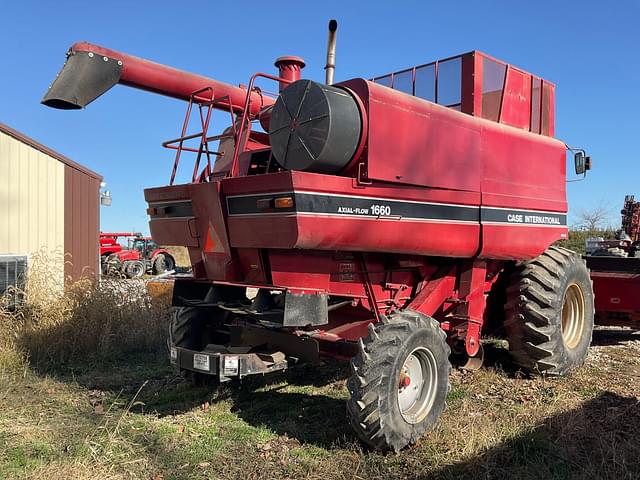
column 141, row 256
column 382, row 221
column 615, row 271
column 109, row 243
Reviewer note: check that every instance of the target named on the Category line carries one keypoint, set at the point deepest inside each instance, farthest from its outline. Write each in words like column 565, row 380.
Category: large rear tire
column 399, row 381
column 549, row 313
column 163, row 263
column 113, row 266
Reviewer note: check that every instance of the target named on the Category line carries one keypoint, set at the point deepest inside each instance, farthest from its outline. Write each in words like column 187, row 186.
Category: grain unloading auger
column 387, row 221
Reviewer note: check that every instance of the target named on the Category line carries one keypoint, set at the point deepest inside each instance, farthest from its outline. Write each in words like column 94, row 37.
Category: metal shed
column 48, row 203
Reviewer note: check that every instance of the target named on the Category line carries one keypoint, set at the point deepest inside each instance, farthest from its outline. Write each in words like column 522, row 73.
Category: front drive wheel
column 399, row 381
column 550, row 312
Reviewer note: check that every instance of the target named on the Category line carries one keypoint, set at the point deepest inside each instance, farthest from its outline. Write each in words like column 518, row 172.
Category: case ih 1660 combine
column 384, row 221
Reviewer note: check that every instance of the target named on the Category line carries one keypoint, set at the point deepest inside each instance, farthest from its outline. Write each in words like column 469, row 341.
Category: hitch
column 229, row 362
column 252, row 351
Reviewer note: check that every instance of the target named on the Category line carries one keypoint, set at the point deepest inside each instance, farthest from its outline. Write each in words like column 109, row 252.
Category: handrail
column 233, row 172
column 237, row 133
column 204, row 142
column 212, row 138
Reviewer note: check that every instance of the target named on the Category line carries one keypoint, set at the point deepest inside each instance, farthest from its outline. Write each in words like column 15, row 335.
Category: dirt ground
column 133, row 417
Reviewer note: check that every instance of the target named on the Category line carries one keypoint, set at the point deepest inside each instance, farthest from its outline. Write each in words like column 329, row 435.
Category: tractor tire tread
column 534, row 309
column 370, row 369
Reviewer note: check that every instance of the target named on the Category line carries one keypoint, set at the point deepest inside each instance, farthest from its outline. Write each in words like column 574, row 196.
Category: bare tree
column 595, row 218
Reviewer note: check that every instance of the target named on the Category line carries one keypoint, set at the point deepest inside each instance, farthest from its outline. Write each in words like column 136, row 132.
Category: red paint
column 616, row 298
column 148, row 254
column 289, row 69
column 154, row 77
column 414, row 156
column 411, row 150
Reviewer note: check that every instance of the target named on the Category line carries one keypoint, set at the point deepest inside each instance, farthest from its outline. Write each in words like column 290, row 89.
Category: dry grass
column 102, row 320
column 85, row 395
column 181, row 256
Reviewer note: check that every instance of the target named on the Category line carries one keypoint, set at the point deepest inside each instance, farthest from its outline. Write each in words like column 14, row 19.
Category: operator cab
column 482, row 86
column 144, row 245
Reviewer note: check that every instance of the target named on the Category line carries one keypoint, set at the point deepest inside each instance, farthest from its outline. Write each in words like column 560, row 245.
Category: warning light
column 283, row 202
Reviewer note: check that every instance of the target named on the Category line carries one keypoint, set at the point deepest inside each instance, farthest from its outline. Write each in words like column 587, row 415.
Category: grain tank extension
column 386, row 221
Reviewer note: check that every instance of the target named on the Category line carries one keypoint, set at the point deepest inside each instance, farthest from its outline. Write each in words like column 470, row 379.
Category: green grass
column 86, row 392
column 138, row 419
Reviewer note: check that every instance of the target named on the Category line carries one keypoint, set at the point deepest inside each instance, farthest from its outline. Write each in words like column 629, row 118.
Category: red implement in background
column 616, row 283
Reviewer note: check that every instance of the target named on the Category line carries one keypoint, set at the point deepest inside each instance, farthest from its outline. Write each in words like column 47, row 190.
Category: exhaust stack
column 331, row 52
column 91, row 70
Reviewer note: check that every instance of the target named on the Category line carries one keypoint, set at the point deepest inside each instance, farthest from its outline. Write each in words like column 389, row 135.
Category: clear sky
column 588, row 48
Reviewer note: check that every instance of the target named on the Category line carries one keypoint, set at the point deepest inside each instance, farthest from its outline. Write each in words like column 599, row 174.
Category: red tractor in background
column 141, row 256
column 382, row 221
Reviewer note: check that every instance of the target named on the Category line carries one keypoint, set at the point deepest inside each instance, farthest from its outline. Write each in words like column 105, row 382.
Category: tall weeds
column 88, row 321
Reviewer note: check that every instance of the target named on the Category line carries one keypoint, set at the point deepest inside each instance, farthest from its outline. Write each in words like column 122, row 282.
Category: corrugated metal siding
column 81, row 227
column 32, row 213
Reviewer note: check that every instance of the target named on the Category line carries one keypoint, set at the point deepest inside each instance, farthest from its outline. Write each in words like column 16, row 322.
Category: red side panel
column 524, row 174
column 192, row 215
column 521, row 175
column 516, row 100
column 167, row 228
column 552, row 110
column 414, row 141
column 334, row 213
column 616, row 292
column 216, row 252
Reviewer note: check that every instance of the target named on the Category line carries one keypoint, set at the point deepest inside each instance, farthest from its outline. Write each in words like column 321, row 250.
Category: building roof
column 48, row 151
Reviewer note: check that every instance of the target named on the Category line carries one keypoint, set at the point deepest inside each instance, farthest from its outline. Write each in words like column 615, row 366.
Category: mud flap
column 302, row 309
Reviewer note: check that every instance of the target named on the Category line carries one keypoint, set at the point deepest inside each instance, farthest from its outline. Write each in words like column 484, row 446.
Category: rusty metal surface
column 303, row 348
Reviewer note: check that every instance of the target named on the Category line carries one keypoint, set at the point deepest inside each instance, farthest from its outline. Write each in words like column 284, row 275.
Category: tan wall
column 31, row 201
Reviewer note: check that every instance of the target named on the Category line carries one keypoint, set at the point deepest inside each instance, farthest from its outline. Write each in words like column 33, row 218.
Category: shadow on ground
column 260, row 401
column 605, row 337
column 597, row 441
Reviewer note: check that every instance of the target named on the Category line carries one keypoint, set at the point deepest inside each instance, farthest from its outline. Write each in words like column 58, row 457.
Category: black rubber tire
column 534, row 312
column 103, row 263
column 373, row 407
column 163, row 263
column 191, row 328
column 133, row 268
column 113, row 266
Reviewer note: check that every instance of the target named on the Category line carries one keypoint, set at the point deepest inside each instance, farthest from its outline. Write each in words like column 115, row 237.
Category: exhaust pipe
column 331, row 52
column 91, row 70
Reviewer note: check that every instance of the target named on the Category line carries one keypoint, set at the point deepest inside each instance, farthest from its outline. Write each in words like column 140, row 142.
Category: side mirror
column 582, row 162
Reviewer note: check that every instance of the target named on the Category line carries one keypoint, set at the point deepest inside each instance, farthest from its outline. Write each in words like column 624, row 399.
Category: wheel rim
column 136, row 270
column 573, row 316
column 417, row 385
